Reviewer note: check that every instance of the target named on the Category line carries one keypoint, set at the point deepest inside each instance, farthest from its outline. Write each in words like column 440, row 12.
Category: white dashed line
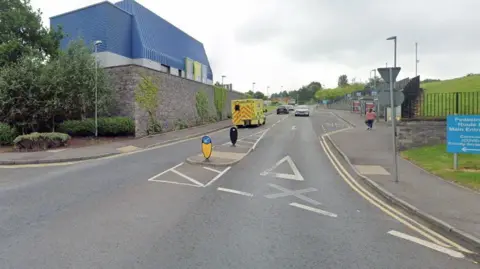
column 313, row 209
column 236, row 192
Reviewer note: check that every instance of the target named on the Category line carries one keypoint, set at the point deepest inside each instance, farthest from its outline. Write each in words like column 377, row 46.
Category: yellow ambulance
column 248, row 112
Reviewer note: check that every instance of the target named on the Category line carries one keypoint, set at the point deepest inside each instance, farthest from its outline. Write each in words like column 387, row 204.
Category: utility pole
column 222, row 80
column 416, row 58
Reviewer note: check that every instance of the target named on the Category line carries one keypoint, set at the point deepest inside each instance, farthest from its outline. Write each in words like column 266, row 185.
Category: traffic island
column 222, row 156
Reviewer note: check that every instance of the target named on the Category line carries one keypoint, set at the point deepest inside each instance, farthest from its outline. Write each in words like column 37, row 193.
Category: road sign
column 463, row 134
column 207, row 146
column 384, row 98
column 385, row 73
column 233, row 135
column 325, row 102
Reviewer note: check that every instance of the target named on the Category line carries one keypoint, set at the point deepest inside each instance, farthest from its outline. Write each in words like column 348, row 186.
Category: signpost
column 463, row 135
column 389, row 75
column 207, row 147
column 233, row 135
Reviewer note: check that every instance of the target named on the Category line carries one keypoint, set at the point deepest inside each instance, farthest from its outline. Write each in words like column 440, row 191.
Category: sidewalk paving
column 114, row 148
column 437, row 201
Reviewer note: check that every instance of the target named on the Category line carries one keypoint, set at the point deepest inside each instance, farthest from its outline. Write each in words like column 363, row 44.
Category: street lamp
column 416, row 58
column 268, row 87
column 253, row 87
column 222, row 79
column 394, row 38
column 96, row 44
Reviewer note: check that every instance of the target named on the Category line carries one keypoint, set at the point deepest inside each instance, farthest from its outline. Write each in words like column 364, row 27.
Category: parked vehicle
column 247, row 112
column 302, row 110
column 282, row 110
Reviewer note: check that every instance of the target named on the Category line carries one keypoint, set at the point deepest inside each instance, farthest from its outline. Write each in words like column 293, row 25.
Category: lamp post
column 416, row 58
column 222, row 79
column 394, row 38
column 253, row 87
column 96, row 44
column 268, row 87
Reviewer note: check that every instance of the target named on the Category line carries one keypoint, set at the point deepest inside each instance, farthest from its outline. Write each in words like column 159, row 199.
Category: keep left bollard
column 207, row 147
column 233, row 135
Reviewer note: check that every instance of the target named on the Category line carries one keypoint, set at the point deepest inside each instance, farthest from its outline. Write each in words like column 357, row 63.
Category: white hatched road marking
column 427, row 244
column 218, row 176
column 298, row 193
column 187, row 177
column 211, row 169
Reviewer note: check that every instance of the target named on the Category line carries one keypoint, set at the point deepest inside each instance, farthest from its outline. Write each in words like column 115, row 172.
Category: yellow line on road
column 421, row 229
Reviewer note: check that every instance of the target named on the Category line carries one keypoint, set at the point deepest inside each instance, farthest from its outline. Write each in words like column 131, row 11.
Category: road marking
column 427, row 244
column 164, row 172
column 176, row 183
column 294, row 127
column 211, row 169
column 313, row 209
column 428, row 233
column 296, row 173
column 236, row 192
column 245, row 141
column 187, row 177
column 298, row 193
column 324, row 129
column 56, row 150
column 260, row 138
column 218, row 176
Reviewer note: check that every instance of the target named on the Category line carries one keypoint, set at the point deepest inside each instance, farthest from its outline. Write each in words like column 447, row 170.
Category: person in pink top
column 370, row 116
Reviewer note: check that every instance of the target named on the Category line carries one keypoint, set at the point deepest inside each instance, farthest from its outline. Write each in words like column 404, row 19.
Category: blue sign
column 206, row 140
column 463, row 134
column 359, row 94
column 325, row 102
column 374, row 93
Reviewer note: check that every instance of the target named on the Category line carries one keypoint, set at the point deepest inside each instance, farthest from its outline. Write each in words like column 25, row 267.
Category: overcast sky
column 292, row 42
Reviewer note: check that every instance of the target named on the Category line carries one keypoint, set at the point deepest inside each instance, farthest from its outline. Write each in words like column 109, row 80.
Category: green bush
column 7, row 134
column 113, row 126
column 40, row 141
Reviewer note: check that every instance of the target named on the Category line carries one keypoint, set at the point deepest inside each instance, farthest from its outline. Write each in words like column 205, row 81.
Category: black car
column 282, row 110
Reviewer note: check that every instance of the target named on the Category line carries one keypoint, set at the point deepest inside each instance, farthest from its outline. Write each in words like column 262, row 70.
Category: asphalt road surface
column 282, row 206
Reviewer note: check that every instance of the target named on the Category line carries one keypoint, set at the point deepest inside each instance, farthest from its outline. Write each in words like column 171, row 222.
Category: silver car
column 302, row 110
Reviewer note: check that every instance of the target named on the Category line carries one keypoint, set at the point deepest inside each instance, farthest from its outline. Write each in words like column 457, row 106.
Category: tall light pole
column 416, row 58
column 268, row 87
column 96, row 44
column 394, row 38
column 222, row 79
column 253, row 87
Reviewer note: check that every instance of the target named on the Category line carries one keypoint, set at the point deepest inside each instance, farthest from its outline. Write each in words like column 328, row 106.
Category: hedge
column 113, row 126
column 7, row 134
column 40, row 141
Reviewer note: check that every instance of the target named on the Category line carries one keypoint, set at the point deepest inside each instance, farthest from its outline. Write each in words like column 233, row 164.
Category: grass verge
column 437, row 161
column 271, row 108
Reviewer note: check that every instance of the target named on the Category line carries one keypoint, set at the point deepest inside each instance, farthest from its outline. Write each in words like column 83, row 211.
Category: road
column 301, row 213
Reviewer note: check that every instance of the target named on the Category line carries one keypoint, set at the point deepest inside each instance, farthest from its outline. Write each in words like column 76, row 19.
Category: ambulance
column 248, row 112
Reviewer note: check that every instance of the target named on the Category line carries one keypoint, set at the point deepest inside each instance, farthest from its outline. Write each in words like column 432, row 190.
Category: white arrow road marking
column 313, row 209
column 296, row 173
column 235, row 191
column 427, row 244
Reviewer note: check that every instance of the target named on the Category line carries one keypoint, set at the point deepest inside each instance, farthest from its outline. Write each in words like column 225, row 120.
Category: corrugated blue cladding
column 104, row 22
column 158, row 40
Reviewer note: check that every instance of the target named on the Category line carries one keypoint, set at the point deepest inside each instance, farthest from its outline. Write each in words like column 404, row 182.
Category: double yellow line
column 394, row 213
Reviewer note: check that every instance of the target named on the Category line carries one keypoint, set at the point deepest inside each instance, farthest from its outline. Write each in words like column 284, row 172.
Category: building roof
column 162, row 40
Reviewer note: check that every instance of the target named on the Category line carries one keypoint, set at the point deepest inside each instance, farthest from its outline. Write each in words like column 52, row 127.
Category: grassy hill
column 463, row 84
column 459, row 95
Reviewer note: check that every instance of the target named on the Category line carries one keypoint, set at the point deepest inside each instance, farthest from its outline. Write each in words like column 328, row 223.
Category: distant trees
column 342, row 81
column 303, row 95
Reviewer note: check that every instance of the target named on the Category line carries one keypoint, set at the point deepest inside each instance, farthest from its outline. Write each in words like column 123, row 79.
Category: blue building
column 132, row 34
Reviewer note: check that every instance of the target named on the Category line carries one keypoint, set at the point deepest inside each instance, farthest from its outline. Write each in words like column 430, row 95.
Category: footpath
column 104, row 150
column 439, row 202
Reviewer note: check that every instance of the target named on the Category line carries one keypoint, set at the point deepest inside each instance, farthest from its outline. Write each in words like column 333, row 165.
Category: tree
column 36, row 94
column 342, row 81
column 259, row 95
column 249, row 94
column 22, row 32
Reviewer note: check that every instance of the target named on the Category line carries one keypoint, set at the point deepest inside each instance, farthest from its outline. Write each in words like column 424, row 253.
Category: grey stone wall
column 414, row 134
column 176, row 98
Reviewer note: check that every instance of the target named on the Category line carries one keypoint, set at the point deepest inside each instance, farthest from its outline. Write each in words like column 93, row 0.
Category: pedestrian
column 370, row 118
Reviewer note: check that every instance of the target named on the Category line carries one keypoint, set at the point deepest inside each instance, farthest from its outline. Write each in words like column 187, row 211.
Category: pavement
column 110, row 149
column 287, row 204
column 447, row 205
